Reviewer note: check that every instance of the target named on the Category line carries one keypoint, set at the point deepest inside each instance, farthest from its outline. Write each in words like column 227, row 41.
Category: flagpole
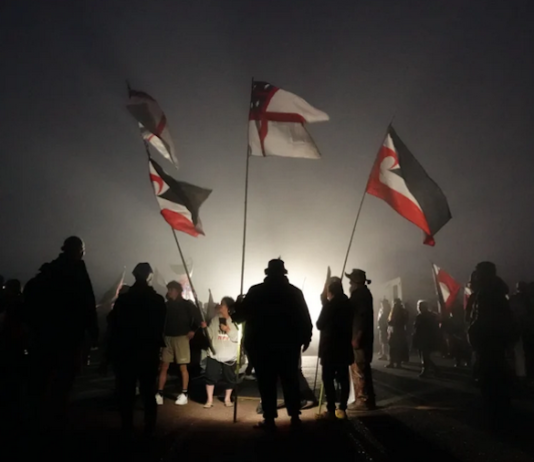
column 436, row 288
column 242, row 288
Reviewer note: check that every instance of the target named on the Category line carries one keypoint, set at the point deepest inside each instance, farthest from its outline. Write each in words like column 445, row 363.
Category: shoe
column 181, row 400
column 159, row 399
column 259, row 409
column 208, row 405
column 228, row 404
column 390, row 366
column 362, row 406
column 249, row 377
column 267, row 425
column 383, row 358
column 327, row 415
column 341, row 414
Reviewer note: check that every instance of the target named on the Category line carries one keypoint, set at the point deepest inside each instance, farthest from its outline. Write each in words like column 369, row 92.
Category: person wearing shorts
column 180, row 325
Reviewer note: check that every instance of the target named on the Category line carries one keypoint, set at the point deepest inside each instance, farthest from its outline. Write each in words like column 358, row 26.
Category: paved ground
column 418, row 420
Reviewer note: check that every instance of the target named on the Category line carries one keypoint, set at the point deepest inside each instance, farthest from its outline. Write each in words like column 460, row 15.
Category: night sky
column 457, row 74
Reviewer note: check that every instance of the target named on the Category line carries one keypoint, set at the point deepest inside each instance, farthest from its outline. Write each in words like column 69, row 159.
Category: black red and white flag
column 276, row 123
column 152, row 123
column 401, row 181
column 179, row 202
column 448, row 288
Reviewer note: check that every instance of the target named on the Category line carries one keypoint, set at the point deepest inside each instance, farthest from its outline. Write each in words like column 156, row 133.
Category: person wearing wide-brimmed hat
column 278, row 327
column 362, row 340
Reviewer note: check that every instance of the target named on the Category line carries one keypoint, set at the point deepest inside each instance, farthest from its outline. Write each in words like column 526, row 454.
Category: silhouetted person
column 183, row 320
column 362, row 340
column 426, row 337
column 382, row 321
column 398, row 342
column 61, row 309
column 278, row 326
column 491, row 333
column 136, row 337
column 522, row 311
column 335, row 347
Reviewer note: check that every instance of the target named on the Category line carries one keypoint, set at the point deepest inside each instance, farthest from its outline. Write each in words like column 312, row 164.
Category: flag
column 179, row 202
column 152, row 123
column 211, row 307
column 276, row 123
column 111, row 295
column 448, row 288
column 401, row 181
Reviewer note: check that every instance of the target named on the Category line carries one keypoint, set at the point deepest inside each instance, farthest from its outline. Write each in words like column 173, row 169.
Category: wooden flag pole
column 241, row 287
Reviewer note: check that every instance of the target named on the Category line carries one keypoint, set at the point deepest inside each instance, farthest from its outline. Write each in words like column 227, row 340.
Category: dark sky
column 458, row 74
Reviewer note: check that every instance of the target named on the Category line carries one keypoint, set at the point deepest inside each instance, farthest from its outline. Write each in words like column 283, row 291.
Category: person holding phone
column 220, row 366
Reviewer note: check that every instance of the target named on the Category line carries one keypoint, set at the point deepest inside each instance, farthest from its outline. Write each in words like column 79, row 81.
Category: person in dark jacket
column 398, row 339
column 335, row 347
column 362, row 340
column 426, row 337
column 382, row 321
column 60, row 309
column 491, row 333
column 278, row 327
column 183, row 320
column 136, row 337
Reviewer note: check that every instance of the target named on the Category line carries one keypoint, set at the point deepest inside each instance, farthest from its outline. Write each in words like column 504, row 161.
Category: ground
column 418, row 420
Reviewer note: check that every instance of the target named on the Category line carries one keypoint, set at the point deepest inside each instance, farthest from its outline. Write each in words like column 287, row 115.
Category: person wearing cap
column 183, row 320
column 136, row 337
column 362, row 340
column 278, row 328
column 60, row 309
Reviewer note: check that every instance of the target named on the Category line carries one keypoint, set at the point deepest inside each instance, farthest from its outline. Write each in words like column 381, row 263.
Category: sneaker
column 159, row 399
column 181, row 400
column 267, row 425
column 341, row 414
column 249, row 377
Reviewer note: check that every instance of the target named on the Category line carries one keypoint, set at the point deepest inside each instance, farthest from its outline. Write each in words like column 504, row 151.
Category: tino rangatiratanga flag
column 276, row 123
column 153, row 123
column 447, row 286
column 179, row 202
column 401, row 181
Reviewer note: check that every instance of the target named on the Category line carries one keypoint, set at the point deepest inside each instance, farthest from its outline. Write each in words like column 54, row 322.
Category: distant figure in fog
column 335, row 346
column 136, row 337
column 382, row 321
column 398, row 342
column 278, row 327
column 60, row 308
column 426, row 338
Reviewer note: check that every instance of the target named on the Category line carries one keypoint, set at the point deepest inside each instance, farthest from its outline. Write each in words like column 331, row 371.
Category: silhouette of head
column 275, row 268
column 422, row 306
column 174, row 290
column 73, row 248
column 357, row 278
column 335, row 287
column 143, row 273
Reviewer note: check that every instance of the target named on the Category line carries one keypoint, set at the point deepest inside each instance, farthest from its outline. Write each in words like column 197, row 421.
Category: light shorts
column 177, row 350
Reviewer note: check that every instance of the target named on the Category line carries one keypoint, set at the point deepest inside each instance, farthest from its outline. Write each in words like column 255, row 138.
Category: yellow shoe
column 340, row 414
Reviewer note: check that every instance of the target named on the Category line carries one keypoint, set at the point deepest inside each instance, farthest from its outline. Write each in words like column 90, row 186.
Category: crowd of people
column 46, row 327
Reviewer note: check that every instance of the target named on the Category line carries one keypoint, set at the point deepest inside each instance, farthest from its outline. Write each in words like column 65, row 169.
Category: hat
column 142, row 271
column 276, row 266
column 358, row 275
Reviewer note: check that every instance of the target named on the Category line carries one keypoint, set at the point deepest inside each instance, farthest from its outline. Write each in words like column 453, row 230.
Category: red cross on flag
column 276, row 123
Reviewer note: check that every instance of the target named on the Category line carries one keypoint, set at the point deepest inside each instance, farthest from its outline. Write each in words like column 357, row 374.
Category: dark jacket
column 276, row 316
column 182, row 317
column 60, row 305
column 136, row 325
column 361, row 301
column 426, row 332
column 335, row 324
